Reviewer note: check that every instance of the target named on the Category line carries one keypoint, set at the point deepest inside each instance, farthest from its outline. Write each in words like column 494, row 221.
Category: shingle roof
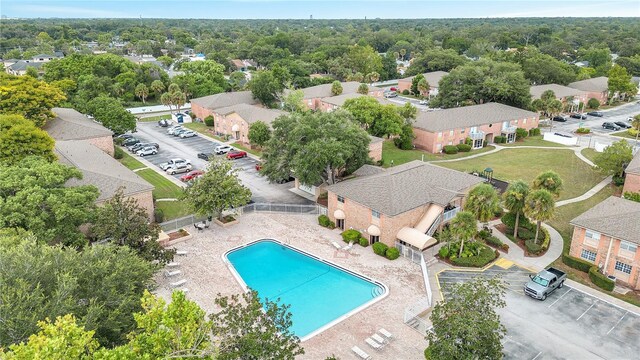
column 616, row 217
column 559, row 90
column 69, row 124
column 375, row 139
column 599, row 84
column 433, row 78
column 339, row 100
column 468, row 116
column 634, row 165
column 237, row 63
column 367, row 170
column 252, row 113
column 324, row 90
column 22, row 65
column 221, row 100
column 406, row 187
column 99, row 169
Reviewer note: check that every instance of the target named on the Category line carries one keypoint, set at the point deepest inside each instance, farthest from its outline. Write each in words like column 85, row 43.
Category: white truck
column 171, row 163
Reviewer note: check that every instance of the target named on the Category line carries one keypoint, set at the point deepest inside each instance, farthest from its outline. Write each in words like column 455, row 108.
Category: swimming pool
column 320, row 294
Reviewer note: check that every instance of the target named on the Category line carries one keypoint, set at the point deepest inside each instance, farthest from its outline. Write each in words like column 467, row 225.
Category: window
column 439, row 147
column 524, row 121
column 588, row 255
column 340, row 223
column 628, row 246
column 450, row 132
column 375, row 214
column 462, row 131
column 592, row 235
column 439, row 134
column 461, row 141
column 341, row 199
column 625, row 268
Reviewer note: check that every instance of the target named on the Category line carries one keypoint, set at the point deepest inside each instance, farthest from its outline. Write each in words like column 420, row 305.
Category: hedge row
column 390, row 253
column 486, row 256
column 534, row 132
column 351, row 235
column 576, row 263
column 450, row 149
column 600, row 279
column 324, row 221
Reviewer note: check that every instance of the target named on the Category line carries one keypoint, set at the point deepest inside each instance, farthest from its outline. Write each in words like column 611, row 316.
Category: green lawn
column 526, row 164
column 154, row 118
column 391, row 152
column 533, row 141
column 247, row 149
column 202, row 129
column 130, row 162
column 173, row 209
column 589, row 153
column 624, row 134
column 165, row 189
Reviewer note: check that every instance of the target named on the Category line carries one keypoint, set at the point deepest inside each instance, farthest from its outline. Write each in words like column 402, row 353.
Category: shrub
column 499, row 212
column 405, row 92
column 532, row 247
column 492, row 240
column 593, row 103
column 208, row 120
column 324, row 221
column 499, row 139
column 583, row 130
column 576, row 263
column 158, row 215
column 509, row 219
column 600, row 280
column 351, row 235
column 450, row 149
column 463, row 147
column 484, row 234
column 526, row 234
column 546, row 240
column 363, row 242
column 521, row 133
column 468, row 141
column 380, row 248
column 618, row 180
column 534, row 132
column 118, row 153
column 118, row 141
column 632, row 132
column 486, row 256
column 633, row 196
column 392, row 253
column 444, row 252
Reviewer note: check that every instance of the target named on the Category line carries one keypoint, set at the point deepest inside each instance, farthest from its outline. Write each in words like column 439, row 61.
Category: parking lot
column 172, row 147
column 570, row 324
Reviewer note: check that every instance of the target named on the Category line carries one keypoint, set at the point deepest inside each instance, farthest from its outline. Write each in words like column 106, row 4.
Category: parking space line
column 610, row 330
column 559, row 298
column 579, row 317
column 537, row 355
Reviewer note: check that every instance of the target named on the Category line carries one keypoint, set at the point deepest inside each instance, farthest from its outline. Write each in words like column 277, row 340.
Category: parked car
column 390, row 94
column 393, row 88
column 623, row 124
column 205, row 156
column 560, row 118
column 147, row 150
column 130, row 141
column 163, row 122
column 172, row 162
column 258, row 166
column 171, row 130
column 578, row 116
column 630, row 119
column 191, row 175
column 179, row 131
column 222, row 149
column 123, row 136
column 138, row 146
column 187, row 134
column 544, row 283
column 596, row 113
column 236, row 154
column 179, row 168
column 610, row 126
column 424, row 102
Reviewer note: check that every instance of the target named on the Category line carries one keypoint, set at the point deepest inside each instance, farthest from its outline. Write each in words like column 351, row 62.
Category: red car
column 236, row 154
column 393, row 89
column 191, row 175
column 258, row 166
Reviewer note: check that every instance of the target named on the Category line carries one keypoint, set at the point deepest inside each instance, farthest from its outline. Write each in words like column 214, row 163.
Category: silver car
column 187, row 134
column 148, row 150
column 179, row 168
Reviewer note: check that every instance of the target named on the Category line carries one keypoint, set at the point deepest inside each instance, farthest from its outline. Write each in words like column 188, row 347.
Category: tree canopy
column 28, row 97
column 259, row 133
column 265, row 87
column 614, row 157
column 20, row 138
column 111, row 114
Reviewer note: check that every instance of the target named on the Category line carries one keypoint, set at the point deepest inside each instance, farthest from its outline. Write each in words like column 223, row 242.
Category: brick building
column 632, row 175
column 205, row 106
column 597, row 88
column 608, row 235
column 433, row 79
column 562, row 93
column 314, row 95
column 69, row 124
column 435, row 129
column 335, row 102
column 235, row 120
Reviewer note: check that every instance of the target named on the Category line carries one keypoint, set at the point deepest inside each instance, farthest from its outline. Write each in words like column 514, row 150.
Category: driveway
column 174, row 147
column 570, row 324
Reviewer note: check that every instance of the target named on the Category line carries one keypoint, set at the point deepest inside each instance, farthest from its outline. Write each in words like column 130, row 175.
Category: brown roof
column 599, row 84
column 324, row 90
column 69, row 124
column 375, row 139
column 559, row 91
column 99, row 169
column 405, row 187
column 634, row 165
column 221, row 100
column 615, row 217
column 433, row 78
column 468, row 116
column 252, row 113
column 237, row 63
column 339, row 100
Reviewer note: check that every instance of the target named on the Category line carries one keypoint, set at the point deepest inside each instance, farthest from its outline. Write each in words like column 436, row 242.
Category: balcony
column 477, row 135
column 509, row 130
column 450, row 214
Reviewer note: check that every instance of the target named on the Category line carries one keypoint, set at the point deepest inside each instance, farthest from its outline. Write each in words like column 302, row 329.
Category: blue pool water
column 317, row 292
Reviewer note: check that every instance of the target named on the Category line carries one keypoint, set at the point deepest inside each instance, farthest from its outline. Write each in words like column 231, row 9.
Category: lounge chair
column 179, row 283
column 379, row 339
column 348, row 247
column 385, row 333
column 363, row 355
column 172, row 273
column 173, row 264
column 374, row 344
column 181, row 252
column 336, row 245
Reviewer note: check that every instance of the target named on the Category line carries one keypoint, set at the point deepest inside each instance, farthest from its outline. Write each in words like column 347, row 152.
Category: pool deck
column 207, row 275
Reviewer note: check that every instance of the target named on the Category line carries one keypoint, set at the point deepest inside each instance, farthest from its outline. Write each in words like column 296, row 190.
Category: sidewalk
column 594, row 190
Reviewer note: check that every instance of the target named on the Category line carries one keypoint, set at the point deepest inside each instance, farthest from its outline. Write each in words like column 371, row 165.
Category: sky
column 327, row 9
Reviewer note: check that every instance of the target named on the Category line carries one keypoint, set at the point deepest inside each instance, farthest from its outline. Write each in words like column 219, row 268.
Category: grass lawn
column 247, row 149
column 173, row 209
column 202, row 129
column 391, row 152
column 154, row 118
column 130, row 162
column 526, row 164
column 165, row 189
column 589, row 153
column 624, row 134
column 533, row 141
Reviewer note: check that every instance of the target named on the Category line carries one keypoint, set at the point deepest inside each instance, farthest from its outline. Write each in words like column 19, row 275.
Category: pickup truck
column 544, row 283
column 171, row 163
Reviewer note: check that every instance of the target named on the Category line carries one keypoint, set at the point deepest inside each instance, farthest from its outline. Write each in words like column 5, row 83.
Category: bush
column 351, row 235
column 324, row 221
column 499, row 139
column 547, row 238
column 363, row 242
column 583, row 130
column 600, row 280
column 534, row 132
column 208, row 120
column 484, row 234
column 463, row 147
column 405, row 92
column 444, row 252
column 450, row 149
column 618, row 180
column 576, row 263
column 509, row 219
column 118, row 153
column 593, row 103
column 492, row 240
column 392, row 253
column 468, row 141
column 526, row 234
column 380, row 248
column 486, row 256
column 632, row 132
column 158, row 215
column 521, row 133
column 118, row 141
column 532, row 247
column 499, row 212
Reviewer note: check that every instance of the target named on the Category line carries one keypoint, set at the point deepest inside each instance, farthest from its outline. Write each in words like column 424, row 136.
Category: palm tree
column 463, row 227
column 142, row 91
column 165, row 99
column 539, row 206
column 423, row 86
column 157, row 87
column 550, row 181
column 482, row 201
column 373, row 77
column 403, row 52
column 514, row 200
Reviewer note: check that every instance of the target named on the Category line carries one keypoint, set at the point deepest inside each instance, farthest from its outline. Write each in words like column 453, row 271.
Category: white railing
column 312, row 209
column 448, row 215
column 413, row 315
column 509, row 129
column 425, row 276
column 434, row 226
column 477, row 135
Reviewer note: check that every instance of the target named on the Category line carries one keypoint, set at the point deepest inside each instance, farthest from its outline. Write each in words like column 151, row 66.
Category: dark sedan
column 623, row 124
column 205, row 156
column 595, row 113
column 560, row 118
column 579, row 116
